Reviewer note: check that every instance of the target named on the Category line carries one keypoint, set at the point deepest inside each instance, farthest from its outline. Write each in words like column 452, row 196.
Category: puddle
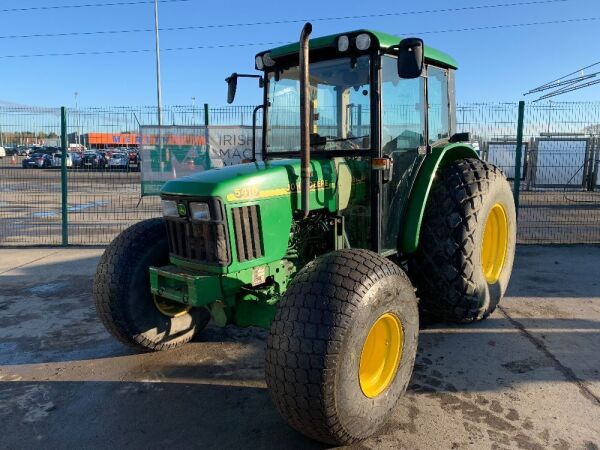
column 77, row 207
column 19, row 187
column 83, row 206
column 48, row 288
column 44, row 214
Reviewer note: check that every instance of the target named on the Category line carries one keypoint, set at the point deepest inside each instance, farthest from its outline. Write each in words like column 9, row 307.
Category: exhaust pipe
column 304, row 121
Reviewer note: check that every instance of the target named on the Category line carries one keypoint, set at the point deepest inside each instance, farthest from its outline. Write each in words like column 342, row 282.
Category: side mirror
column 231, row 87
column 410, row 58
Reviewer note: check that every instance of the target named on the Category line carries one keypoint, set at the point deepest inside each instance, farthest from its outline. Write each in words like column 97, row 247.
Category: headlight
column 169, row 208
column 259, row 62
column 363, row 41
column 199, row 211
column 269, row 62
column 343, row 43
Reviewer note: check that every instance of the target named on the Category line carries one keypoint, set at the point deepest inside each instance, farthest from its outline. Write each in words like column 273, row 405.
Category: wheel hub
column 381, row 355
column 495, row 243
column 170, row 308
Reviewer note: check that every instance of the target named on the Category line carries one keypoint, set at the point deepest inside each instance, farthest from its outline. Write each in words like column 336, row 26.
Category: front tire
column 467, row 243
column 342, row 347
column 123, row 298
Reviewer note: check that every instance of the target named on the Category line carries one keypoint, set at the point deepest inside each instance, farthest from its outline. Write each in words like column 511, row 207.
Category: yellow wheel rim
column 381, row 354
column 169, row 308
column 495, row 243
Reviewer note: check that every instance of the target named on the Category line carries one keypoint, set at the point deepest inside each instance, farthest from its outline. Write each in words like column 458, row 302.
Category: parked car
column 93, row 160
column 118, row 161
column 44, row 150
column 77, row 148
column 56, row 160
column 134, row 161
column 37, row 160
column 76, row 158
column 2, row 152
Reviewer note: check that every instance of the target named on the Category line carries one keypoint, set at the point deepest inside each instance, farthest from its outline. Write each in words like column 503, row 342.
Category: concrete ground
column 528, row 377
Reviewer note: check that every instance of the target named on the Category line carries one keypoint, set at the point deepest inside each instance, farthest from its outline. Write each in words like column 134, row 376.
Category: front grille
column 201, row 242
column 248, row 239
column 198, row 241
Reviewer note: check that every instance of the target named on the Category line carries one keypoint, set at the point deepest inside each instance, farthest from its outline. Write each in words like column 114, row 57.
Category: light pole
column 77, row 126
column 193, row 109
column 158, row 89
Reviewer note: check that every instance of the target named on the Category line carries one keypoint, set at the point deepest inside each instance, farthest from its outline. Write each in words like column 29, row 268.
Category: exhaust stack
column 304, row 121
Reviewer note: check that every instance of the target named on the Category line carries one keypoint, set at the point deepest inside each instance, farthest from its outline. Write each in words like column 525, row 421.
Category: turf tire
column 122, row 291
column 315, row 344
column 446, row 268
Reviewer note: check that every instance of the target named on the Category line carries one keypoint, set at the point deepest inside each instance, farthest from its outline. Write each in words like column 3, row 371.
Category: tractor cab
column 377, row 104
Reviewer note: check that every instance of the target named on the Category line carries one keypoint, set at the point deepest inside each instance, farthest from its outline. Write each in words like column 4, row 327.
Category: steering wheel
column 332, row 141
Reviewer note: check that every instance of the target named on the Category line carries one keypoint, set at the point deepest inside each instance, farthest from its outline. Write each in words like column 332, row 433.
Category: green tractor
column 364, row 195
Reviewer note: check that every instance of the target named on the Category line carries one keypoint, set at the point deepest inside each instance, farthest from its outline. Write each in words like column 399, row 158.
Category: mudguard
column 413, row 216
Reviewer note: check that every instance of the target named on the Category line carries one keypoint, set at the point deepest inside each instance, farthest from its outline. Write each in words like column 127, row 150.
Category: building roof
column 383, row 40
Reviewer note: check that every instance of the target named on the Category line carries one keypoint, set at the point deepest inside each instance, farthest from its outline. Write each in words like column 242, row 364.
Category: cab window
column 437, row 96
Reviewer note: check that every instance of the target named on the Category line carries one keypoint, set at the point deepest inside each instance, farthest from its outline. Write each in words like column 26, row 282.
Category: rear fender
column 413, row 215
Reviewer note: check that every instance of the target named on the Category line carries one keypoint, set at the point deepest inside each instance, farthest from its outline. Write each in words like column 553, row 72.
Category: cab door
column 403, row 140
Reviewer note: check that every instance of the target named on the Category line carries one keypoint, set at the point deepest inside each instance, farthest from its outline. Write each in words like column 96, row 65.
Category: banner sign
column 170, row 152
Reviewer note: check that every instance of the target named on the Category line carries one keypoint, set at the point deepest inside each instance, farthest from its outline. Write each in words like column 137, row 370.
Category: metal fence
column 558, row 190
column 102, row 199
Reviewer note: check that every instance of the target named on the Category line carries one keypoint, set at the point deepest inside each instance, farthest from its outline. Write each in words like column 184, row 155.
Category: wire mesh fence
column 560, row 198
column 30, row 187
column 103, row 180
column 558, row 191
column 558, row 187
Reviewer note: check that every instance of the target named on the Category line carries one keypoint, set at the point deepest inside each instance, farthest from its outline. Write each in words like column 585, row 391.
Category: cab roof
column 381, row 39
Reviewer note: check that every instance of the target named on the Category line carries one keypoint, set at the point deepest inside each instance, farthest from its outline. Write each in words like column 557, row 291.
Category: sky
column 494, row 65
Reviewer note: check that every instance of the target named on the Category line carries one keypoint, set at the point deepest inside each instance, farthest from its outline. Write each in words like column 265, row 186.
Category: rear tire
column 123, row 298
column 458, row 278
column 342, row 347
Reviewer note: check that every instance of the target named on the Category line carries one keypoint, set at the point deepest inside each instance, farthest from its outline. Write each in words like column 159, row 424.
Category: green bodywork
column 245, row 292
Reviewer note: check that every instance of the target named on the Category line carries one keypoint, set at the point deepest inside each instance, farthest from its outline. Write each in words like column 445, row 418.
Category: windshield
column 339, row 107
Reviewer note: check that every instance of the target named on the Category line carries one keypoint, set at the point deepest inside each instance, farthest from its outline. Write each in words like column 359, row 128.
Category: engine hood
column 254, row 181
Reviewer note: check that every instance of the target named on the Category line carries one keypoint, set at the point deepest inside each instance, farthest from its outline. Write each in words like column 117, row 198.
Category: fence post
column 518, row 155
column 63, row 175
column 206, row 143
